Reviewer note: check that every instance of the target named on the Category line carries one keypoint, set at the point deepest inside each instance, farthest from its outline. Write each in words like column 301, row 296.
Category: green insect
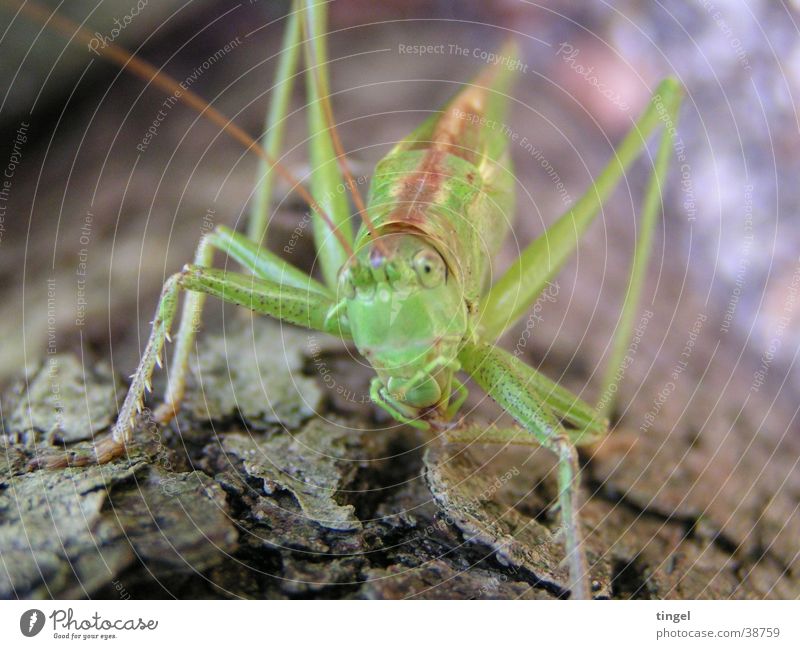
column 409, row 287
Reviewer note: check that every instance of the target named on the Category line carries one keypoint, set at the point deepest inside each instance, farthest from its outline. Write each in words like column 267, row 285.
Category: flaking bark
column 289, row 497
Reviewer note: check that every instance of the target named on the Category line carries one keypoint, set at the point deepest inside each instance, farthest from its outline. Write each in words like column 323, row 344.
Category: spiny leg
column 512, row 384
column 112, row 446
column 326, row 187
column 193, row 303
column 339, row 226
column 262, row 263
column 511, row 296
column 287, row 303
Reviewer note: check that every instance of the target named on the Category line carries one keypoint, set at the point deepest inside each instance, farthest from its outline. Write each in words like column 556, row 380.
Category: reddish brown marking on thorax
column 458, row 130
column 419, row 188
column 457, row 133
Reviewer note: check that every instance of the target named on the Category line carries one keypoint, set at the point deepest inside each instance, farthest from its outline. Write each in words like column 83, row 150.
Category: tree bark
column 272, row 484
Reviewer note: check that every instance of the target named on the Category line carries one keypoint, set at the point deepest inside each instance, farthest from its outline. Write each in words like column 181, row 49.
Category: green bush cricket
column 408, row 287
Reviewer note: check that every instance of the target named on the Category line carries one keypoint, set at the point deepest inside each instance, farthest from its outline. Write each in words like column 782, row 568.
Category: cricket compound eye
column 430, row 268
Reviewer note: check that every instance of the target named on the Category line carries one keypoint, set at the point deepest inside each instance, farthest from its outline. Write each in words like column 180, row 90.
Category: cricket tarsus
column 105, row 450
column 408, row 288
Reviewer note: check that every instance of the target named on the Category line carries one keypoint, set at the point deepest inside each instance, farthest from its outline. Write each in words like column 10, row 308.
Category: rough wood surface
column 281, row 494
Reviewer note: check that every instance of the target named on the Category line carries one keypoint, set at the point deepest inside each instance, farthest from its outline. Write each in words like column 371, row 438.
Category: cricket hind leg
column 513, row 293
column 299, row 306
column 528, row 396
column 651, row 208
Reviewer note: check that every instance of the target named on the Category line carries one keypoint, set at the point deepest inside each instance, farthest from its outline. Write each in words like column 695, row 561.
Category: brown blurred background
column 722, row 441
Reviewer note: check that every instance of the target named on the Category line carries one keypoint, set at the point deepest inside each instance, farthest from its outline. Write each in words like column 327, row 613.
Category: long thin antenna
column 130, row 62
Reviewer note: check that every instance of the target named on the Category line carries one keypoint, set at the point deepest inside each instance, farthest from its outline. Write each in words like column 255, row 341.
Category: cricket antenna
column 129, row 62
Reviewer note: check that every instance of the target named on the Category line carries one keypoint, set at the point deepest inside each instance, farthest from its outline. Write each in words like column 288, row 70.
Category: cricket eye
column 346, row 286
column 430, row 268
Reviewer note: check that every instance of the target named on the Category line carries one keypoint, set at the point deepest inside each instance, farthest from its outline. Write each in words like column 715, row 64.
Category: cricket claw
column 105, row 450
column 51, row 461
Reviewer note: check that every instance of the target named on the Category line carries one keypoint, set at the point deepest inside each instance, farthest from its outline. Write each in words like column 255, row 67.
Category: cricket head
column 407, row 315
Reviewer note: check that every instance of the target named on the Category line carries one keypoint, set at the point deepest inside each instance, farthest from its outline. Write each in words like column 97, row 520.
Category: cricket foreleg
column 190, row 322
column 287, row 303
column 262, row 263
column 510, row 383
column 568, row 490
column 113, row 446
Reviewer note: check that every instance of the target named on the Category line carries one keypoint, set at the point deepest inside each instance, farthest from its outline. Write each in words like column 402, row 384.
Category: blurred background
column 94, row 214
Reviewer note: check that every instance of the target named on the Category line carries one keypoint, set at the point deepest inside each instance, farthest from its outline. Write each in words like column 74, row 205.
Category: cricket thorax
column 407, row 315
